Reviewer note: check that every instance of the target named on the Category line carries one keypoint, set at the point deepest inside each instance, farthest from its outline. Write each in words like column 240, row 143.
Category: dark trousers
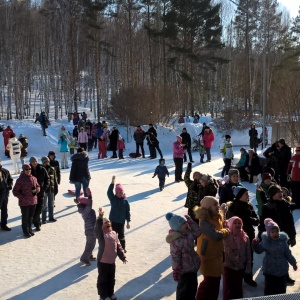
column 121, row 153
column 283, row 179
column 296, row 193
column 232, row 284
column 243, row 174
column 106, row 279
column 159, row 151
column 152, row 150
column 44, row 129
column 3, row 207
column 89, row 245
column 201, row 158
column 94, row 138
column 38, row 211
column 208, row 154
column 209, row 288
column 120, row 230
column 189, row 152
column 138, row 145
column 83, row 145
column 187, row 286
column 27, row 215
column 226, row 168
column 178, row 167
column 161, row 182
column 274, row 284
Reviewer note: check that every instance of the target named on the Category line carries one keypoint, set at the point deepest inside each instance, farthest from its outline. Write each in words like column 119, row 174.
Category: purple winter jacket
column 178, row 150
column 23, row 189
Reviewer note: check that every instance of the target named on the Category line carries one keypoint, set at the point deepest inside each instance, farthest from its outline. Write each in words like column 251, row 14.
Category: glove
column 176, row 275
column 128, row 225
column 295, row 267
column 292, row 242
column 113, row 179
column 255, row 241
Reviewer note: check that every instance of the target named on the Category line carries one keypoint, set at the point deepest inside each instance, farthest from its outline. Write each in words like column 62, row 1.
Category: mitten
column 189, row 220
column 255, row 241
column 113, row 179
column 176, row 275
column 128, row 225
column 295, row 267
column 292, row 242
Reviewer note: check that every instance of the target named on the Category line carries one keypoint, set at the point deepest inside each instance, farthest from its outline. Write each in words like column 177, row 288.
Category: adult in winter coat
column 272, row 156
column 185, row 261
column 80, row 174
column 152, row 130
column 6, row 183
column 139, row 136
column 210, row 247
column 294, row 168
column 113, row 140
column 279, row 210
column 48, row 205
column 40, row 173
column 64, row 150
column 187, row 143
column 208, row 186
column 7, row 132
column 253, row 168
column 26, row 190
column 65, row 131
column 94, row 135
column 284, row 158
column 242, row 164
column 43, row 119
column 192, row 197
column 153, row 144
column 253, row 137
column 120, row 210
column 24, row 152
column 83, row 139
column 227, row 154
column 242, row 208
column 178, row 152
column 208, row 138
column 226, row 192
column 55, row 164
column 14, row 146
column 75, row 132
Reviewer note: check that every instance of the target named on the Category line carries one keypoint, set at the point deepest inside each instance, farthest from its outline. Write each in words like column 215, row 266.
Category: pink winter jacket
column 23, row 189
column 178, row 150
column 82, row 137
column 208, row 139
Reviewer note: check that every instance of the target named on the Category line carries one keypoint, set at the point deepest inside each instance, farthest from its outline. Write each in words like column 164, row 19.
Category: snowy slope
column 47, row 265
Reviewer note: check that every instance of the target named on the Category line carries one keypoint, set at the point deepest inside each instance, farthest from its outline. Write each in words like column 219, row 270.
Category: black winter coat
column 80, row 167
column 152, row 130
column 113, row 139
column 226, row 193
column 186, row 139
column 24, row 142
column 43, row 179
column 255, row 167
column 246, row 212
column 284, row 158
column 253, row 138
column 281, row 213
column 55, row 164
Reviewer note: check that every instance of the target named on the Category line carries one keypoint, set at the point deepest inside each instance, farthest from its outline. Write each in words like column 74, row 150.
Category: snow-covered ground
column 47, row 265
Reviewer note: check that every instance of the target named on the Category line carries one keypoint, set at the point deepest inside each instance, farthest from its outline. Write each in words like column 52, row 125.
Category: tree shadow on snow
column 67, row 277
column 150, row 285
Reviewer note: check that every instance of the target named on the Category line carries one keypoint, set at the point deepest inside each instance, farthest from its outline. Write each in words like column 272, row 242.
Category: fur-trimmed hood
column 172, row 236
column 205, row 214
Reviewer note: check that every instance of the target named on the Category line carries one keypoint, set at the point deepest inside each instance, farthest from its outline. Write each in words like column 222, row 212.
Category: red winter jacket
column 23, row 189
column 6, row 135
column 294, row 165
column 208, row 139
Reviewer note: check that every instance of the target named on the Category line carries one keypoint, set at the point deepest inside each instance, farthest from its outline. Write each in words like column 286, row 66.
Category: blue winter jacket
column 161, row 171
column 64, row 144
column 120, row 209
column 278, row 254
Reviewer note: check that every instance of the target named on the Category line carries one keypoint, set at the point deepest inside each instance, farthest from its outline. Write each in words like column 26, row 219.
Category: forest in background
column 144, row 60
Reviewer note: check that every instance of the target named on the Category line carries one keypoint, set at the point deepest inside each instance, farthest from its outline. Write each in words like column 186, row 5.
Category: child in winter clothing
column 121, row 147
column 109, row 249
column 185, row 261
column 102, row 148
column 161, row 171
column 227, row 154
column 24, row 152
column 120, row 210
column 88, row 214
column 278, row 255
column 210, row 247
column 73, row 145
column 237, row 259
column 201, row 151
column 64, row 150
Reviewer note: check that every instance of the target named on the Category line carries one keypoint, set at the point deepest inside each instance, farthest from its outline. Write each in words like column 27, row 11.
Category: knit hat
column 241, row 236
column 270, row 224
column 175, row 221
column 266, row 176
column 105, row 220
column 51, row 153
column 32, row 159
column 231, row 221
column 204, row 177
column 238, row 191
column 83, row 200
column 208, row 201
column 45, row 159
column 281, row 141
column 26, row 166
column 227, row 136
column 273, row 189
column 233, row 172
column 119, row 189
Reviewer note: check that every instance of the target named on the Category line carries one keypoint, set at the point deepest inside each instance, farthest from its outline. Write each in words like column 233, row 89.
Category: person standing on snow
column 227, row 153
column 7, row 132
column 186, row 141
column 24, row 152
column 178, row 152
column 64, row 150
column 253, row 137
column 139, row 136
column 14, row 146
column 43, row 119
column 208, row 138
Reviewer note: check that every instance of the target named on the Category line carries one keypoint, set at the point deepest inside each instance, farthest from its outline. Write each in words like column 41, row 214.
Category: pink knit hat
column 120, row 189
column 270, row 224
